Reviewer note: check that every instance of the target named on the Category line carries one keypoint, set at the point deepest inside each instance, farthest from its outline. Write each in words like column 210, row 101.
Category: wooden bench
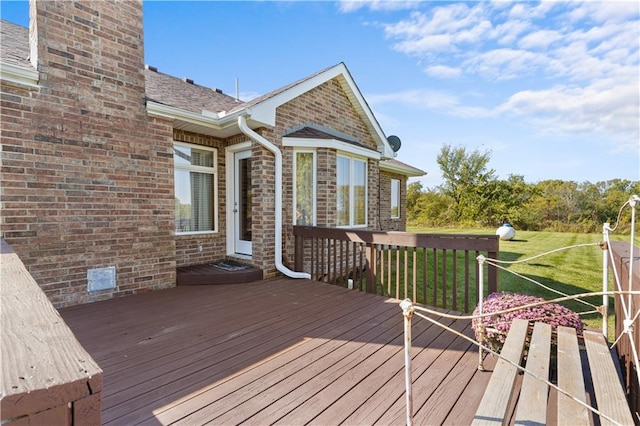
column 504, row 403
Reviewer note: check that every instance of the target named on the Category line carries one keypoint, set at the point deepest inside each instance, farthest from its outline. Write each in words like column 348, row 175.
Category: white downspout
column 242, row 124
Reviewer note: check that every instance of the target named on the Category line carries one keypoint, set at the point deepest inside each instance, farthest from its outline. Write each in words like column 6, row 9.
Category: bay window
column 351, row 201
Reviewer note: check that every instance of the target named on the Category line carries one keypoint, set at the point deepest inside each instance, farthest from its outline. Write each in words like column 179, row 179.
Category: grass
column 573, row 271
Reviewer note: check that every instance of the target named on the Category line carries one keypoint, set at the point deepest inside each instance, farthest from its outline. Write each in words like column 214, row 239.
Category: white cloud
column 596, row 110
column 348, row 6
column 606, row 11
column 539, row 39
column 443, row 71
column 509, row 32
column 419, row 98
column 505, row 63
column 441, row 31
column 581, row 58
column 529, row 11
column 433, row 100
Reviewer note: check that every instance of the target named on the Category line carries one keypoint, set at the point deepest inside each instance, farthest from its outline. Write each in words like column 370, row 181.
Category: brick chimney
column 93, row 50
column 88, row 200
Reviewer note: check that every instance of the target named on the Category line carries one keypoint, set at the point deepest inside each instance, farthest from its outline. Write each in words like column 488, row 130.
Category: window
column 195, row 184
column 304, row 188
column 351, row 174
column 395, row 199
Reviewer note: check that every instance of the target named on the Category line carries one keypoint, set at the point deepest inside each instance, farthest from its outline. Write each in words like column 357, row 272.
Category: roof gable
column 263, row 109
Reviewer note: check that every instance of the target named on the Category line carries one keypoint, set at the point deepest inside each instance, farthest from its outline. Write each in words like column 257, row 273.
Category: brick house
column 115, row 174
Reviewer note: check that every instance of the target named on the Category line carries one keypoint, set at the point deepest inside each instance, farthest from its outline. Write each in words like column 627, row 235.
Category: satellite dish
column 395, row 143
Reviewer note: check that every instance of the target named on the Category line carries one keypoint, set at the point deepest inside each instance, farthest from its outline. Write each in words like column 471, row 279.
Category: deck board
column 278, row 350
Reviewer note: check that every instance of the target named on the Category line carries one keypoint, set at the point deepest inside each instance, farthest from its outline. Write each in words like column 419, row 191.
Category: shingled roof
column 176, row 92
column 15, row 44
column 161, row 88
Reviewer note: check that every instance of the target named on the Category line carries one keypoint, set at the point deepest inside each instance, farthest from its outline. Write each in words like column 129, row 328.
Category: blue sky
column 550, row 89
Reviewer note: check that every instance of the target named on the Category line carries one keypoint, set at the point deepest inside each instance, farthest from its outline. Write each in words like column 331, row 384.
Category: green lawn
column 572, row 271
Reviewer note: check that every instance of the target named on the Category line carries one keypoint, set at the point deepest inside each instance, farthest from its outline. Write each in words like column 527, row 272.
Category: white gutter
column 211, row 120
column 17, row 74
column 242, row 124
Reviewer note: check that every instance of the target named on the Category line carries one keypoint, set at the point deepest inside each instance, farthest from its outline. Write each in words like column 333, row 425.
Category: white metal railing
column 409, row 309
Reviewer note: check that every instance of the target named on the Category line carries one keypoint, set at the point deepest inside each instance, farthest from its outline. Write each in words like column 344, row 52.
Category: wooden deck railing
column 47, row 377
column 621, row 255
column 432, row 269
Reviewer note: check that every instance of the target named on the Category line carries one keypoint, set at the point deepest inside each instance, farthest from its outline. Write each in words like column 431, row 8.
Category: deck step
column 207, row 274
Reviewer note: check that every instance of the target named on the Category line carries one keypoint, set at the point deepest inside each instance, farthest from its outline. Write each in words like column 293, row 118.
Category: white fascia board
column 16, row 74
column 331, row 144
column 207, row 120
column 401, row 169
column 384, row 147
column 165, row 111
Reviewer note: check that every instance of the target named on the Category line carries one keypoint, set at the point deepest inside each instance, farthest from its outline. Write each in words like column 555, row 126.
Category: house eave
column 339, row 146
column 206, row 123
column 20, row 75
column 401, row 169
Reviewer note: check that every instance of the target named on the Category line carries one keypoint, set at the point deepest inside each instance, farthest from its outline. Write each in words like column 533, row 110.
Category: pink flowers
column 497, row 326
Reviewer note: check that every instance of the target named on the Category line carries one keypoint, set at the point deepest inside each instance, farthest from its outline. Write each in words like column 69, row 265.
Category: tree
column 466, row 181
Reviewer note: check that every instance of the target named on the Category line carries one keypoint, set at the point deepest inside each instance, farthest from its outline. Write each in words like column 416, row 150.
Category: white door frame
column 230, row 160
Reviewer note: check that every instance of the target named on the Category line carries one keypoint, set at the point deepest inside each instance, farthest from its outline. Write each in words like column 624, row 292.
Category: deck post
column 492, row 271
column 372, row 261
column 480, row 288
column 298, row 262
column 605, row 280
column 407, row 311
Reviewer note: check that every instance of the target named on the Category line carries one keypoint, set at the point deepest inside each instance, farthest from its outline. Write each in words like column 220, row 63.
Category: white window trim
column 351, row 158
column 348, row 148
column 201, row 169
column 396, row 200
column 315, row 183
column 229, row 153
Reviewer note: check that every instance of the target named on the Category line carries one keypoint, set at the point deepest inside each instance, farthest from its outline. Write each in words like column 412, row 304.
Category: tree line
column 472, row 196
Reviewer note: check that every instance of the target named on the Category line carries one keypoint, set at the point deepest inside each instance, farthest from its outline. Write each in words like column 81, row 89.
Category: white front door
column 242, row 215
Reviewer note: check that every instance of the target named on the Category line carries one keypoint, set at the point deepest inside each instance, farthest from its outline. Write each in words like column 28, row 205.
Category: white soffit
column 401, row 169
column 340, row 146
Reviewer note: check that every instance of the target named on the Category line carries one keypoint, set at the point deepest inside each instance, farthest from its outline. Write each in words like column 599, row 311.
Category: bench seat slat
column 532, row 404
column 500, row 388
column 610, row 395
column 570, row 379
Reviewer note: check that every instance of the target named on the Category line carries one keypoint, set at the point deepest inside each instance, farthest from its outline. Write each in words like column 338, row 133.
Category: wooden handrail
column 47, row 376
column 434, row 269
column 621, row 259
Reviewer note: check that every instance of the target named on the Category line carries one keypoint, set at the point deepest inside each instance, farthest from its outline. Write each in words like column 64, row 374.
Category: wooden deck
column 275, row 351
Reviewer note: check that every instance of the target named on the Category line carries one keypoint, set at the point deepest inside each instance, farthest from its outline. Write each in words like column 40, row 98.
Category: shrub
column 497, row 326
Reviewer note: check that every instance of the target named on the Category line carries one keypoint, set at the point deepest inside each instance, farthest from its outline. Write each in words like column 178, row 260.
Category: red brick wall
column 386, row 222
column 213, row 244
column 87, row 178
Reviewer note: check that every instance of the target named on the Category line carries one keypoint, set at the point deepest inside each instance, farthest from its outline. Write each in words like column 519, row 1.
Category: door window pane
column 245, row 204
